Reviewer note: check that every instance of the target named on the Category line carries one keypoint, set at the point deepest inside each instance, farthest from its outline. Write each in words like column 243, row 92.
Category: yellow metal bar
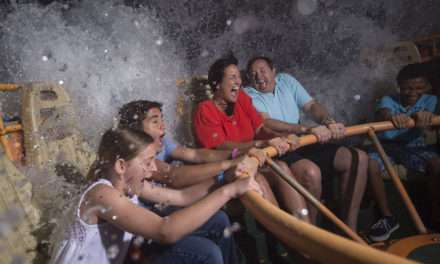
column 9, row 86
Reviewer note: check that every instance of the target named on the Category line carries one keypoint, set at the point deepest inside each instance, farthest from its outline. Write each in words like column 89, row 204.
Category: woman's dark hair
column 412, row 71
column 132, row 115
column 117, row 144
column 254, row 59
column 217, row 70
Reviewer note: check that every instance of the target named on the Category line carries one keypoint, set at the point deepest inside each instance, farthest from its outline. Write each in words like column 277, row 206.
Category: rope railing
column 319, row 244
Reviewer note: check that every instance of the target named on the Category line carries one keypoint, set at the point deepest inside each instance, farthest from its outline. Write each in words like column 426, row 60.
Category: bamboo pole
column 319, row 244
column 3, row 140
column 9, row 86
column 351, row 131
column 309, row 197
column 322, row 245
column 396, row 180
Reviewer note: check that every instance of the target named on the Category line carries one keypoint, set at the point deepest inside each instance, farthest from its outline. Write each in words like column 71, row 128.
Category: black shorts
column 323, row 155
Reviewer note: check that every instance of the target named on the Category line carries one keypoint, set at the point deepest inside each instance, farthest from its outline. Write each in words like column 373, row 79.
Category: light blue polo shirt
column 285, row 102
column 411, row 136
column 168, row 146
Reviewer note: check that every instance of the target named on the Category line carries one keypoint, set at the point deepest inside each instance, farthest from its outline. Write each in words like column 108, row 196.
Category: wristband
column 220, row 179
column 234, row 153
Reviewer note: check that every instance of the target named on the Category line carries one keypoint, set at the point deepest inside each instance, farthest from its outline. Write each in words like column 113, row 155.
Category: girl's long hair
column 117, row 144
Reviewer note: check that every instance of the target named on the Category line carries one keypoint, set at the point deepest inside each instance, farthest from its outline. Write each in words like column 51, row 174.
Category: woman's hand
column 281, row 144
column 245, row 184
column 259, row 154
column 248, row 166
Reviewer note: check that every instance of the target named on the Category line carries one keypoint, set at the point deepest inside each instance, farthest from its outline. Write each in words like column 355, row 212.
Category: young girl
column 108, row 214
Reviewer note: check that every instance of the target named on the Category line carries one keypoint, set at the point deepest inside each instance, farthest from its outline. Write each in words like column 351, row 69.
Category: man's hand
column 337, row 130
column 423, row 118
column 401, row 120
column 293, row 141
column 322, row 133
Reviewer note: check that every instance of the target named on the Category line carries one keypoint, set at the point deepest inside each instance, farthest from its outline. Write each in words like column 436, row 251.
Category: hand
column 281, row 144
column 246, row 184
column 401, row 120
column 337, row 130
column 322, row 133
column 423, row 118
column 247, row 167
column 293, row 141
column 259, row 154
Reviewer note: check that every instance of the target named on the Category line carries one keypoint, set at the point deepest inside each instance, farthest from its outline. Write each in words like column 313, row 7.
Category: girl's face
column 154, row 125
column 139, row 169
column 230, row 85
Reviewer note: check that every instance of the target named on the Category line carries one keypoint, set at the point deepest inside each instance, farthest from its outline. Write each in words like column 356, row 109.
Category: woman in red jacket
column 230, row 121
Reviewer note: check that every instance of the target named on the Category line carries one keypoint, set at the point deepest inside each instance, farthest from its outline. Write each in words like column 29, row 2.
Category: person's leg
column 343, row 162
column 208, row 244
column 378, row 187
column 309, row 175
column 383, row 228
column 189, row 250
column 218, row 229
column 288, row 197
column 266, row 189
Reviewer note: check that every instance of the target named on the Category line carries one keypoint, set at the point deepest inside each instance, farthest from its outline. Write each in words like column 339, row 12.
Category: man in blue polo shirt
column 280, row 97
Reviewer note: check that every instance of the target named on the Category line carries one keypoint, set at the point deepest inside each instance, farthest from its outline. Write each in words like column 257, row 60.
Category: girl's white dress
column 99, row 243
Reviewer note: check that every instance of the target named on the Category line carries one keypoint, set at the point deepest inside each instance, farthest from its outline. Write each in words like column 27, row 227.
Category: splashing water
column 106, row 53
column 229, row 231
column 112, row 251
column 307, row 7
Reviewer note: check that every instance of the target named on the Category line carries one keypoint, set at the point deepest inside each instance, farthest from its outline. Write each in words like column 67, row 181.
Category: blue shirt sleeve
column 431, row 103
column 169, row 145
column 387, row 102
column 257, row 101
column 302, row 97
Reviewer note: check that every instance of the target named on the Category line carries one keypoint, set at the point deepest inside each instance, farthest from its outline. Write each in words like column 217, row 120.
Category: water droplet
column 44, row 58
column 304, row 212
column 228, row 231
column 307, row 7
column 138, row 241
column 112, row 252
column 204, row 53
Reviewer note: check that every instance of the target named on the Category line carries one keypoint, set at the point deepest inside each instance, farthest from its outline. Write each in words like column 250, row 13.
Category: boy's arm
column 186, row 175
column 201, row 155
column 399, row 120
